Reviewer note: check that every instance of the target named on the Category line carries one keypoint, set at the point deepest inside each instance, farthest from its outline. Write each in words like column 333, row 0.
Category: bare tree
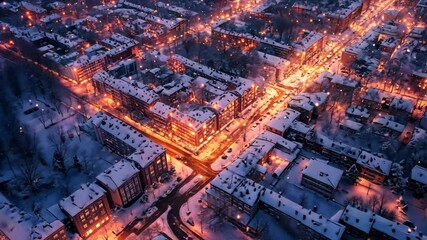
column 30, row 173
column 43, row 118
column 68, row 102
column 29, row 168
column 57, row 140
column 374, row 201
column 5, row 155
column 50, row 115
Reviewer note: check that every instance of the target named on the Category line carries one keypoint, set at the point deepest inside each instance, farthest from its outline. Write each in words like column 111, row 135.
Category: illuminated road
column 202, row 166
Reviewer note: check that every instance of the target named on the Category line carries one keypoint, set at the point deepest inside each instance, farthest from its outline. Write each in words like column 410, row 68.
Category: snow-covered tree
column 58, row 162
column 352, row 173
column 57, row 140
column 396, row 177
column 77, row 163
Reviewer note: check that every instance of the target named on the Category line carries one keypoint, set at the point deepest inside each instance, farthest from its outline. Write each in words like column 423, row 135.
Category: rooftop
column 322, row 172
column 374, row 162
column 117, row 174
column 283, row 120
column 362, row 220
column 308, row 101
column 81, row 198
column 419, row 174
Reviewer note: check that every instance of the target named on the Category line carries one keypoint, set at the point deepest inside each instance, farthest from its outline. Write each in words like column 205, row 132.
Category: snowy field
column 54, row 185
column 207, row 223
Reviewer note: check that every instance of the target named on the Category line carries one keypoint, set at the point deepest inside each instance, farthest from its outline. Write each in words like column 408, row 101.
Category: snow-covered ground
column 207, row 223
column 93, row 157
column 122, row 217
column 54, row 185
column 158, row 226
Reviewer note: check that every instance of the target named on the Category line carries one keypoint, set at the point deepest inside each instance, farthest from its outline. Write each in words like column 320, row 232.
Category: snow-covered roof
column 259, row 8
column 123, row 39
column 419, row 174
column 195, row 119
column 81, row 198
column 218, row 27
column 283, row 120
column 222, row 101
column 262, row 145
column 281, row 143
column 308, row 101
column 120, row 130
column 406, row 105
column 386, row 121
column 247, row 192
column 84, row 60
column 307, row 41
column 322, row 172
column 138, row 7
column 14, row 223
column 323, row 76
column 167, row 23
column 345, row 81
column 116, row 175
column 375, row 95
column 351, row 124
column 56, row 5
column 93, row 48
column 361, row 220
column 390, row 42
column 33, row 8
column 248, row 160
column 277, row 62
column 358, row 47
column 182, row 11
column 315, row 221
column 207, row 71
column 132, row 88
column 374, row 162
column 64, row 40
column 43, row 230
column 162, row 110
column 359, row 111
column 50, row 18
column 227, row 181
column 335, row 146
column 345, row 11
column 395, row 230
column 300, row 127
column 419, row 136
column 147, row 152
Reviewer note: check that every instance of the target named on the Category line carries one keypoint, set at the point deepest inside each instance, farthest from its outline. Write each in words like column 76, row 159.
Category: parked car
column 150, row 211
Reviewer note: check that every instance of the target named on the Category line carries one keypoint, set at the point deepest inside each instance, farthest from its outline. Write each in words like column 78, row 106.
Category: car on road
column 178, row 157
column 179, row 179
column 150, row 211
column 224, row 156
column 169, row 191
column 31, row 110
column 229, row 150
column 190, row 221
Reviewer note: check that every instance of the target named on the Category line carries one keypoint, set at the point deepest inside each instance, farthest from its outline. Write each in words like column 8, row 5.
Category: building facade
column 87, row 208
